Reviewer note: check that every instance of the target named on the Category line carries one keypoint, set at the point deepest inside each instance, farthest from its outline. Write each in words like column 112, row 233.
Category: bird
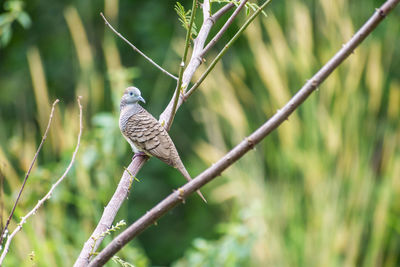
column 146, row 135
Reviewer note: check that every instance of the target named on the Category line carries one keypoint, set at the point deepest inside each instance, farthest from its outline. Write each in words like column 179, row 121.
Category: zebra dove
column 145, row 134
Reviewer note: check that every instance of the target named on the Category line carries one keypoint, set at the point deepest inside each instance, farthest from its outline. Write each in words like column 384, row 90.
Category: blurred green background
column 322, row 190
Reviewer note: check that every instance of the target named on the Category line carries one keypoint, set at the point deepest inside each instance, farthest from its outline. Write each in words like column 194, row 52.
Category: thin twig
column 215, row 39
column 226, row 47
column 48, row 195
column 248, row 143
column 183, row 62
column 29, row 170
column 136, row 49
column 222, row 11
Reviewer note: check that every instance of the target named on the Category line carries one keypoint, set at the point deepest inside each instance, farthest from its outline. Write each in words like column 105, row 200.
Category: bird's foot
column 139, row 154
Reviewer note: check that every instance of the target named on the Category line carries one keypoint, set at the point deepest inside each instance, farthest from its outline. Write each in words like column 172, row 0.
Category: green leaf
column 4, row 18
column 24, row 19
column 184, row 18
column 5, row 36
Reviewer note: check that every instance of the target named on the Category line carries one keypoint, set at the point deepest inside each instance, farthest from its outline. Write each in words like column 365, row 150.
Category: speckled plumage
column 145, row 134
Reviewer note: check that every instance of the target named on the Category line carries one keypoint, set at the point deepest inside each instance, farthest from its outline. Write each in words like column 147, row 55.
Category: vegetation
column 323, row 190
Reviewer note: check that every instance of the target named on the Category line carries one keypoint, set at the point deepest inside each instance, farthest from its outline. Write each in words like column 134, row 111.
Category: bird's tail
column 185, row 174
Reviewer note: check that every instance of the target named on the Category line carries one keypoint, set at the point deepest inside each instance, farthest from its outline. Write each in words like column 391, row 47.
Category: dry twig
column 29, row 171
column 136, row 49
column 48, row 195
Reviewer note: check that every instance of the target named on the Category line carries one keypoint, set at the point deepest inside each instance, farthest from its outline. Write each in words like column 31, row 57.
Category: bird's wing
column 148, row 135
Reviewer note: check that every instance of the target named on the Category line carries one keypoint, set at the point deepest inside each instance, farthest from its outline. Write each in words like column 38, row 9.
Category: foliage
column 14, row 12
column 184, row 18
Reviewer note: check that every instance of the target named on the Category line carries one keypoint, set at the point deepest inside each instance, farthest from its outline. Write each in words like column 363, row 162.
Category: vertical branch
column 29, row 170
column 182, row 65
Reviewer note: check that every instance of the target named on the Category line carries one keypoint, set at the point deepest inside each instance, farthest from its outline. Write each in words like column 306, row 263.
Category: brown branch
column 48, row 195
column 247, row 144
column 29, row 171
column 136, row 49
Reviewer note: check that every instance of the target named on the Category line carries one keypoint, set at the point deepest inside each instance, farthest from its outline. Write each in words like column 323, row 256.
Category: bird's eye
column 131, row 93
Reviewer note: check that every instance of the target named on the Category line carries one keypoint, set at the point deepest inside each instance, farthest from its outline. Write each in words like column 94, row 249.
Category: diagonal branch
column 29, row 171
column 248, row 143
column 48, row 195
column 136, row 49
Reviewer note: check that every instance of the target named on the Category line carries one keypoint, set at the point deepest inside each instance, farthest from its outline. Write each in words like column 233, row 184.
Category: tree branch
column 29, row 171
column 136, row 49
column 48, row 195
column 248, row 143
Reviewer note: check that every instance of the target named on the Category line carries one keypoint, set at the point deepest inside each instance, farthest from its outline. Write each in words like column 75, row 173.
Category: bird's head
column 131, row 96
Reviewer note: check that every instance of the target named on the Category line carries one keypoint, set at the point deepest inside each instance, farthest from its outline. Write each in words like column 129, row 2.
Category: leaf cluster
column 14, row 12
column 184, row 18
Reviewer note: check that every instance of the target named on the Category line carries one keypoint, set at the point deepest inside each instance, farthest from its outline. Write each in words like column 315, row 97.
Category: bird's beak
column 141, row 99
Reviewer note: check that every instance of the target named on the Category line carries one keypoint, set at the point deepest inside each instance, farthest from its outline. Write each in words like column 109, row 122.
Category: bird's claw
column 138, row 154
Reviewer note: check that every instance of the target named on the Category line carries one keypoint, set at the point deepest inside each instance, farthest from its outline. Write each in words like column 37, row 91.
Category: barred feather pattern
column 146, row 134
